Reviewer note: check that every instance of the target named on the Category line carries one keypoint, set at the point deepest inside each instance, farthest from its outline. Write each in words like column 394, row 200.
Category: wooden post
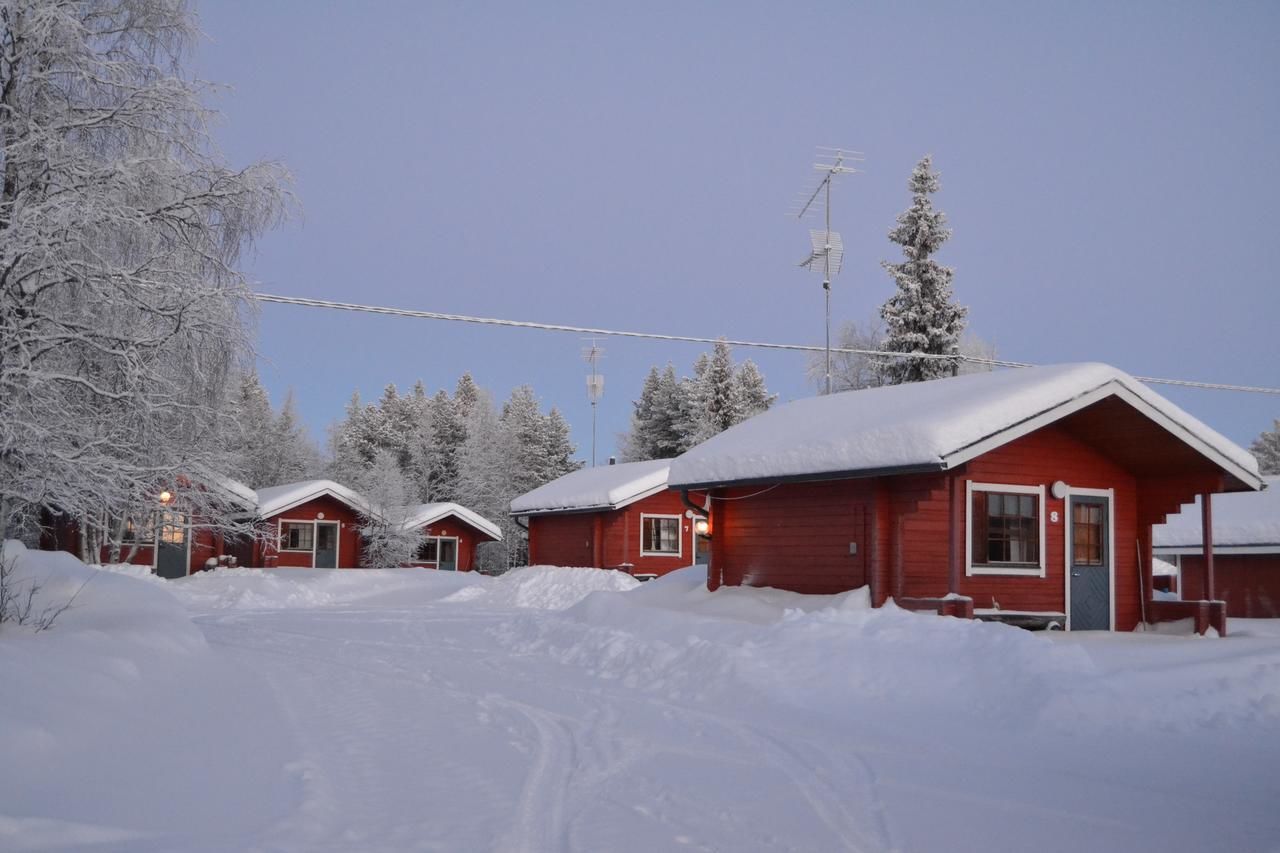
column 597, row 541
column 719, row 530
column 954, row 536
column 1206, row 534
column 880, row 544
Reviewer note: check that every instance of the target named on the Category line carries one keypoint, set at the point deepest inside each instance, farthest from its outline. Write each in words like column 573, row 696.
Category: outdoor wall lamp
column 702, row 526
column 165, row 497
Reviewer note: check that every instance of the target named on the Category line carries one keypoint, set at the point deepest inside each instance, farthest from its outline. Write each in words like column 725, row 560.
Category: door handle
column 1075, row 574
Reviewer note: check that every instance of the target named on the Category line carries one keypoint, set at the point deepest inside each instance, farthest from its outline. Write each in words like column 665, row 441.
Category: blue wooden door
column 1090, row 563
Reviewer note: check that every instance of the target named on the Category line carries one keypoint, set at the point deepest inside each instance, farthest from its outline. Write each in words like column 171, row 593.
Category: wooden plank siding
column 1248, row 583
column 468, row 538
column 910, row 529
column 609, row 539
column 333, row 510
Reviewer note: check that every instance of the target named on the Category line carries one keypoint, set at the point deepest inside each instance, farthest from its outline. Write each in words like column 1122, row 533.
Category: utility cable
column 617, row 333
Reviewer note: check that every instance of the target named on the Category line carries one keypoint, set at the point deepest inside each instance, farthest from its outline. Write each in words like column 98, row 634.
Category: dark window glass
column 296, row 536
column 1086, row 534
column 661, row 535
column 1006, row 529
column 428, row 551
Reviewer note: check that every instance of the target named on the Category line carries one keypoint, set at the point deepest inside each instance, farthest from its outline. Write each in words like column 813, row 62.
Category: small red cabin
column 1246, row 551
column 175, row 538
column 612, row 517
column 316, row 525
column 451, row 533
column 1025, row 495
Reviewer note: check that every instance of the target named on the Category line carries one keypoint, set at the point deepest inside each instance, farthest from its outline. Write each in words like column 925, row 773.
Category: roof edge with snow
column 424, row 514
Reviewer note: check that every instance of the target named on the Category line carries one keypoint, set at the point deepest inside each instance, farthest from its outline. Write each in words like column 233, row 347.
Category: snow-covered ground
column 569, row 709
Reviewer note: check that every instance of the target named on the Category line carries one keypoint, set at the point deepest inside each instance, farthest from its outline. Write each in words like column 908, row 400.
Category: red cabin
column 612, row 517
column 1246, row 551
column 174, row 539
column 1025, row 495
column 451, row 533
column 316, row 525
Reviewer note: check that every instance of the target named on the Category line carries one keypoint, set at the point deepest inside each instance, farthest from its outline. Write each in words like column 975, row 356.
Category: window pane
column 661, row 535
column 296, row 536
column 1012, row 528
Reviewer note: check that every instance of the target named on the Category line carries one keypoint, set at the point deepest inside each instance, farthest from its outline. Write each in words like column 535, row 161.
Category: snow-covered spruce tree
column 387, row 541
column 121, row 308
column 655, row 431
column 750, row 396
column 673, row 415
column 419, row 444
column 1267, row 449
column 484, row 469
column 921, row 316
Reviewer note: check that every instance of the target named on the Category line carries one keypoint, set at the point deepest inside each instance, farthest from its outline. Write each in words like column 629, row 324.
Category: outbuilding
column 450, row 533
column 1245, row 552
column 617, row 516
column 1026, row 495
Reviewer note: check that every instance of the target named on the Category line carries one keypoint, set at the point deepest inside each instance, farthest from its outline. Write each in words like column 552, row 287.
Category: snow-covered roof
column 605, row 487
column 274, row 500
column 931, row 426
column 424, row 514
column 236, row 491
column 1241, row 520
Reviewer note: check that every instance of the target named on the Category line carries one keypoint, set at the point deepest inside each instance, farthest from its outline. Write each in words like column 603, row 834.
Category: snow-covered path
column 422, row 731
column 299, row 711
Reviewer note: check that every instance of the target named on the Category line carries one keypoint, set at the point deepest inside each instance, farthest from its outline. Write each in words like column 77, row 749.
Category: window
column 1086, row 534
column 297, row 536
column 660, row 534
column 1006, row 529
column 138, row 534
column 429, row 550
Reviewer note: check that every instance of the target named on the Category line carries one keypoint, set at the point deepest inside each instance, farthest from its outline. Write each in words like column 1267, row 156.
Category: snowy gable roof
column 1241, row 520
column 424, row 514
column 930, row 426
column 274, row 500
column 605, row 487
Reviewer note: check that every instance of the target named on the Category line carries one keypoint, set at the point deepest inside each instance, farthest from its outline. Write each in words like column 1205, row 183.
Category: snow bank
column 545, row 587
column 282, row 589
column 120, row 711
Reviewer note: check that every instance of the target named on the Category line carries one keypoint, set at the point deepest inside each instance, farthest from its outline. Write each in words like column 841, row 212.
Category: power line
column 619, row 333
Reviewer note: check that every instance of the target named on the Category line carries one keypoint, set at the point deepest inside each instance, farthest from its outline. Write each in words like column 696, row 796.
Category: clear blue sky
column 1108, row 170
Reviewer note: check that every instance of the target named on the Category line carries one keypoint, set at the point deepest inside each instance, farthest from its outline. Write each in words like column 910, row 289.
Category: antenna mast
column 595, row 387
column 827, row 253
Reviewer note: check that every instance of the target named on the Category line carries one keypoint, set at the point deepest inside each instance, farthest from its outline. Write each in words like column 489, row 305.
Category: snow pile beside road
column 282, row 589
column 834, row 653
column 121, row 711
column 545, row 587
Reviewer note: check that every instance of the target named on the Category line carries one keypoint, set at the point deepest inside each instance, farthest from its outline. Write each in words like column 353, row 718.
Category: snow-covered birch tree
column 921, row 316
column 122, row 311
column 1267, row 449
column 387, row 541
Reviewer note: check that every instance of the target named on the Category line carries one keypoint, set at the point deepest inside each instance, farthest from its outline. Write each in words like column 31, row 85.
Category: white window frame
column 982, row 569
column 298, row 521
column 679, row 520
column 457, row 551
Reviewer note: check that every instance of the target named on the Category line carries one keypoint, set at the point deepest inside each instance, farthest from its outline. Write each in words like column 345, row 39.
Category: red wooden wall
column 609, row 538
column 1248, row 583
column 798, row 536
column 333, row 510
column 468, row 538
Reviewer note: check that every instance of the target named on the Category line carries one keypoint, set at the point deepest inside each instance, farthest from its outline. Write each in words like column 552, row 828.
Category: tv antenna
column 595, row 387
column 827, row 252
